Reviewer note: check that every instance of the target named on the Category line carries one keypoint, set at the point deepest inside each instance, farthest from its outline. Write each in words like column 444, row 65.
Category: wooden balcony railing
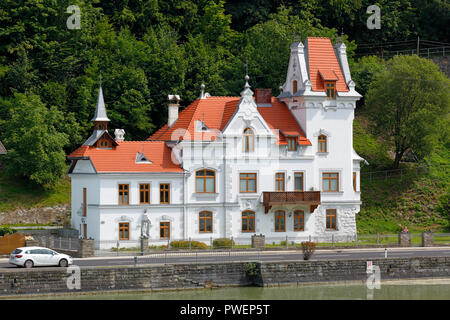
column 311, row 198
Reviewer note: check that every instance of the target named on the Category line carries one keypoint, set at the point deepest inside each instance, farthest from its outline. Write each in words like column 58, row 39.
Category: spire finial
column 100, row 80
column 202, row 94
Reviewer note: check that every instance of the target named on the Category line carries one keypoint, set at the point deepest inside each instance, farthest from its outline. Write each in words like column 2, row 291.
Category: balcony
column 311, row 198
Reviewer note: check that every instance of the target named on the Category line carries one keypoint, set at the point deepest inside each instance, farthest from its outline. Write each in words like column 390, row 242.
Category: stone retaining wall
column 54, row 280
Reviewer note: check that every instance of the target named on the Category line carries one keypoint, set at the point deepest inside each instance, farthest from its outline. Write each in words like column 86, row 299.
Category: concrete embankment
column 186, row 276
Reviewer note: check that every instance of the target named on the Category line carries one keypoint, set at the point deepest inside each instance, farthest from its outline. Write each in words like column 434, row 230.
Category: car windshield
column 17, row 251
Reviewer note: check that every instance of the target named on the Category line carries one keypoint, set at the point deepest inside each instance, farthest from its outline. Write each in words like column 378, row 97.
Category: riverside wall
column 187, row 276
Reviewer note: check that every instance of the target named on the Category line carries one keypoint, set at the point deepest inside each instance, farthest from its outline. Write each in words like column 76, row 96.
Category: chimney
column 174, row 105
column 119, row 133
column 263, row 96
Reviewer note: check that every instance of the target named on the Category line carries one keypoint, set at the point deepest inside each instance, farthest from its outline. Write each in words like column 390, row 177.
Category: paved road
column 205, row 257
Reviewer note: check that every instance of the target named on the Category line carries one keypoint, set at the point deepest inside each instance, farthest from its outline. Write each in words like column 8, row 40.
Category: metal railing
column 57, row 243
column 239, row 245
column 395, row 173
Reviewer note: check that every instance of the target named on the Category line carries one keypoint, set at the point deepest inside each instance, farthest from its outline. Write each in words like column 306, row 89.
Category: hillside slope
column 417, row 198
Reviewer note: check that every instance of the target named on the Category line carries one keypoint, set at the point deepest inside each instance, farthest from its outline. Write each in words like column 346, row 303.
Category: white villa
column 230, row 166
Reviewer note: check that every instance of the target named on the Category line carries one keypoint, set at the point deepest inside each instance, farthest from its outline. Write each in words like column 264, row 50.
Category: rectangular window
column 298, row 181
column 292, row 144
column 84, row 202
column 205, row 181
column 330, row 88
column 247, row 182
column 124, row 231
column 280, row 221
column 299, row 220
column 330, row 182
column 205, row 221
column 248, row 221
column 279, row 181
column 354, row 181
column 164, row 230
column 123, row 193
column 322, row 143
column 144, row 193
column 164, row 193
column 331, row 219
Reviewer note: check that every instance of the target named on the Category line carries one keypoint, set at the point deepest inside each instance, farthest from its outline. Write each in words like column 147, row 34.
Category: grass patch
column 20, row 193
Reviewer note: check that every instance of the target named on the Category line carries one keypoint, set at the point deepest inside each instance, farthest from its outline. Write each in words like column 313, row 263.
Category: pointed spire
column 100, row 110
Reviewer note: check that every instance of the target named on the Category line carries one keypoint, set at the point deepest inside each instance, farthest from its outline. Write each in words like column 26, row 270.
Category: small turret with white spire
column 100, row 118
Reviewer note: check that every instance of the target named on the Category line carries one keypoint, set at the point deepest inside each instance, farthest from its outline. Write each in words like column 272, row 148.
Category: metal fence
column 237, row 246
column 55, row 242
column 395, row 173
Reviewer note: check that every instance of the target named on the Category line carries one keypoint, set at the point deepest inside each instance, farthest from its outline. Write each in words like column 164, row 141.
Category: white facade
column 315, row 113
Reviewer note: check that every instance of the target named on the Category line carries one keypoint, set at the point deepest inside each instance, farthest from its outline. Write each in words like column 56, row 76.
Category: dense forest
column 143, row 50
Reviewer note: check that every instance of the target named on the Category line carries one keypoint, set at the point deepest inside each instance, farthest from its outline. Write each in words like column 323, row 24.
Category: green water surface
column 437, row 289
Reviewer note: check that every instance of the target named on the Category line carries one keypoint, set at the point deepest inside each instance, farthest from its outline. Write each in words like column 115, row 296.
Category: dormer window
column 330, row 89
column 248, row 140
column 292, row 144
column 103, row 144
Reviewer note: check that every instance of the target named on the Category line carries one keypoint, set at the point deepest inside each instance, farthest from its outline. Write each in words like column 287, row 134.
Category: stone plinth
column 427, row 239
column 86, row 248
column 404, row 239
column 258, row 241
column 144, row 245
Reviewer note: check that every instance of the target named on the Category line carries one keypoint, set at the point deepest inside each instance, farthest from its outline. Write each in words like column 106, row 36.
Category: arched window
column 205, row 181
column 205, row 221
column 248, row 140
column 299, row 220
column 322, row 143
column 248, row 221
column 103, row 143
column 280, row 221
column 294, row 87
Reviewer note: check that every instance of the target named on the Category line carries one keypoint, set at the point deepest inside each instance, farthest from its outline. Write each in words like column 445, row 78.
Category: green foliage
column 35, row 138
column 251, row 269
column 6, row 230
column 363, row 73
column 223, row 243
column 405, row 104
column 183, row 244
column 370, row 147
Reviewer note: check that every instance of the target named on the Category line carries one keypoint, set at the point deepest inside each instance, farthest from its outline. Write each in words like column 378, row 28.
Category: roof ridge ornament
column 247, row 92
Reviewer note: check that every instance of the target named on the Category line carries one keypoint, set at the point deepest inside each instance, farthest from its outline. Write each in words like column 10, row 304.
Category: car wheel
column 63, row 263
column 28, row 264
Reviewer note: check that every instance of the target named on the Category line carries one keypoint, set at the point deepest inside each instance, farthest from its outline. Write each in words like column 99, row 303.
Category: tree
column 364, row 72
column 406, row 103
column 34, row 138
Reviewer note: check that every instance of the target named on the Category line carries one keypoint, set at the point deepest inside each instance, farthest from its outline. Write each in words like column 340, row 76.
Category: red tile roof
column 216, row 112
column 321, row 56
column 123, row 157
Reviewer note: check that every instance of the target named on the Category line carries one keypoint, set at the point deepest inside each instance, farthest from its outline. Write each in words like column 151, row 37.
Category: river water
column 437, row 289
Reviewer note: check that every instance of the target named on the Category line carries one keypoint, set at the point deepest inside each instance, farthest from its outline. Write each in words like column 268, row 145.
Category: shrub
column 6, row 230
column 308, row 248
column 223, row 243
column 185, row 244
column 251, row 269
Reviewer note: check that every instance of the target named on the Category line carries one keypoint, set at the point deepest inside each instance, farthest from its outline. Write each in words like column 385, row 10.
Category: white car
column 29, row 257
